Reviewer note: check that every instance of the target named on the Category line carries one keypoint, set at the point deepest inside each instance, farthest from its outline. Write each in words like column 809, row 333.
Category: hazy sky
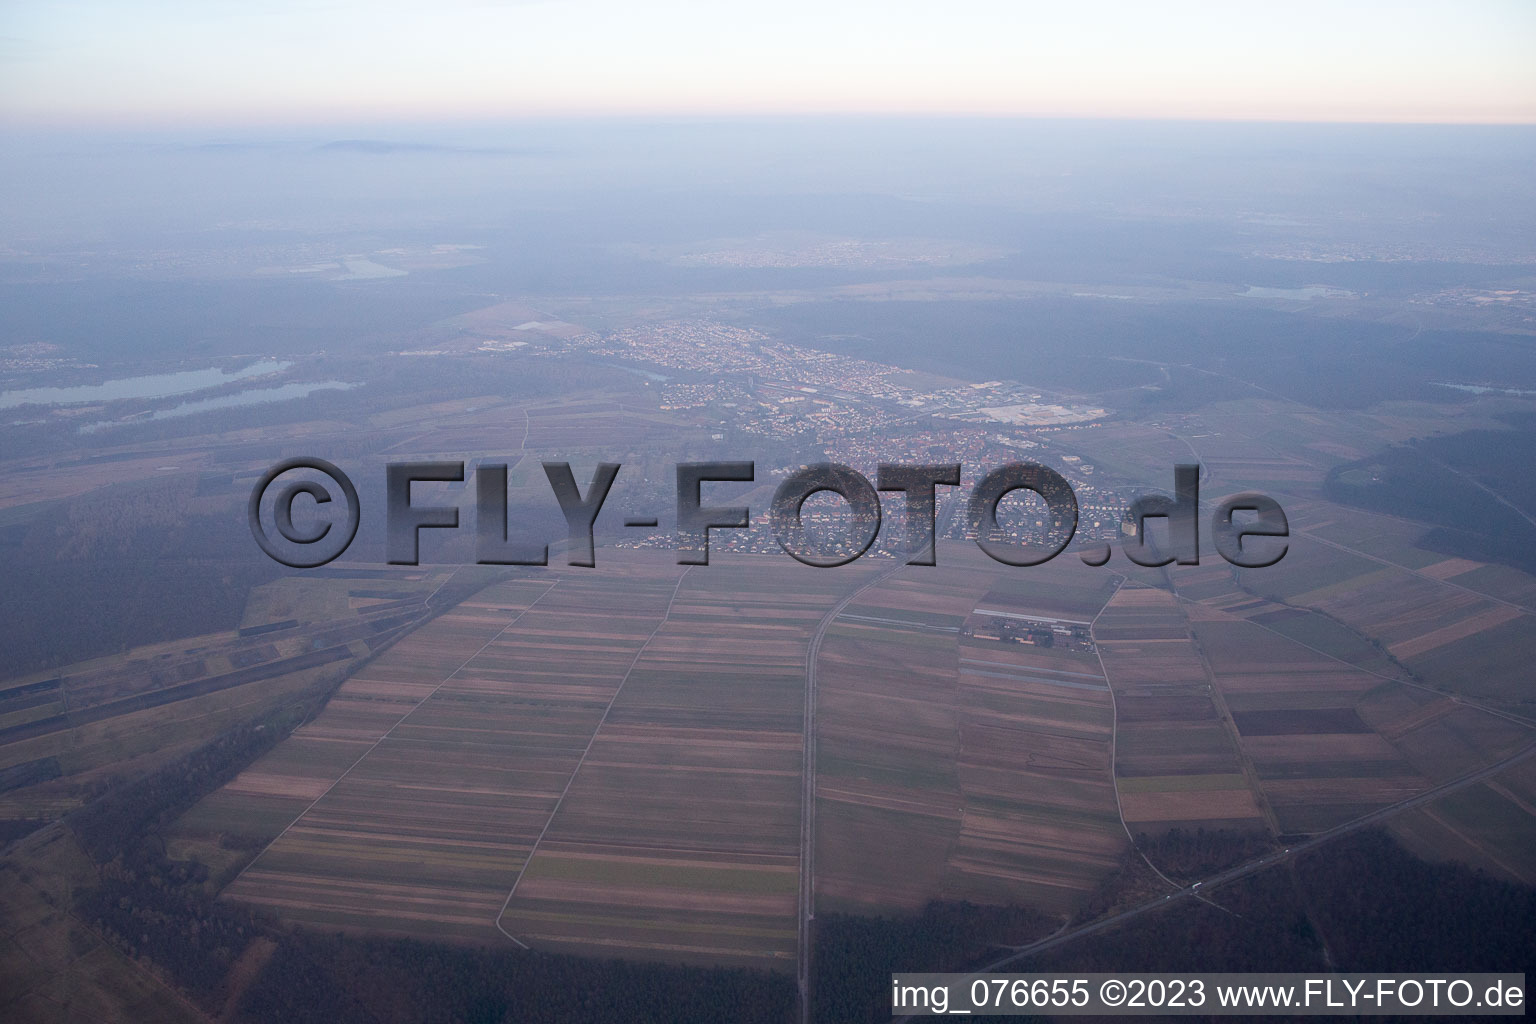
column 221, row 61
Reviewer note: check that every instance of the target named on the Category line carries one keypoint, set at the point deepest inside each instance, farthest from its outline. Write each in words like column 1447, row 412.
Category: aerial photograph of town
column 549, row 511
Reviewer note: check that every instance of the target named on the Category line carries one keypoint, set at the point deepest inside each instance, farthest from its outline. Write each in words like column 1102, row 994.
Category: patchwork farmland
column 63, row 732
column 1176, row 762
column 611, row 761
column 564, row 758
column 1330, row 729
column 679, row 835
column 957, row 764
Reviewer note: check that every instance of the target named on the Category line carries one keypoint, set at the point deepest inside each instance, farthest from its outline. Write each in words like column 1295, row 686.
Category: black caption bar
column 1366, row 995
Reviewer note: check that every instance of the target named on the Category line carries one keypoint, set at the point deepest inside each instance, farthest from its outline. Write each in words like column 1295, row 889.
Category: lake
column 158, row 385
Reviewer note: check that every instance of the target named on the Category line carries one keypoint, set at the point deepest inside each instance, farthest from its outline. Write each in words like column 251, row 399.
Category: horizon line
column 201, row 122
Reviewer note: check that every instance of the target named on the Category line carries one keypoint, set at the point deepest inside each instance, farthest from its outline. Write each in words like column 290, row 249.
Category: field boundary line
column 374, row 745
column 807, row 894
column 1114, row 732
column 665, row 615
column 1465, row 700
column 1252, row 867
column 1311, row 534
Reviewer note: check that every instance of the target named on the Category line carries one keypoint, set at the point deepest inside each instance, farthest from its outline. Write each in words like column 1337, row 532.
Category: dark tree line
column 1190, row 856
column 123, row 825
column 1257, row 924
column 104, row 575
column 1428, row 479
column 1383, row 909
column 152, row 906
column 159, row 910
column 332, row 979
column 856, row 956
column 1362, row 903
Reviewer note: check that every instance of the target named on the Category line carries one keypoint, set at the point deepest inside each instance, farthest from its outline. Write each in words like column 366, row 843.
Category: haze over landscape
column 90, row 61
column 1297, row 249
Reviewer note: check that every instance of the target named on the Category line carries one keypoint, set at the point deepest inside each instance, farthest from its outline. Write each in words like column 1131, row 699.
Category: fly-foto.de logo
column 1249, row 530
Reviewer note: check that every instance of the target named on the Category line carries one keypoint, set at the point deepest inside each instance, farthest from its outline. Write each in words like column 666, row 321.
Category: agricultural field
column 302, row 793
column 889, row 803
column 63, row 732
column 1491, row 825
column 954, row 763
column 611, row 760
column 1329, row 741
column 1453, row 623
column 55, row 968
column 679, row 836
column 602, row 759
column 1177, row 764
column 491, row 427
column 1040, row 822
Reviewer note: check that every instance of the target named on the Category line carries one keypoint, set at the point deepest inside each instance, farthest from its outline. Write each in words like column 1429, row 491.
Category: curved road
column 1253, row 866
